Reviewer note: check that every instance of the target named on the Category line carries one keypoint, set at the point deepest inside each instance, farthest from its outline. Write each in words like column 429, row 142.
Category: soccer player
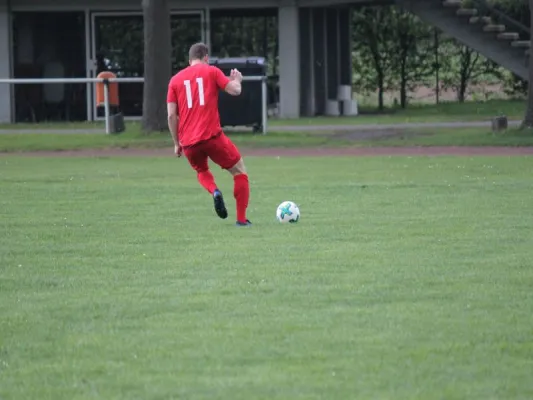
column 194, row 122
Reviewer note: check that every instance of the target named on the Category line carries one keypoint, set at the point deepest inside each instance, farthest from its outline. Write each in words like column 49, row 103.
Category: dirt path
column 300, row 152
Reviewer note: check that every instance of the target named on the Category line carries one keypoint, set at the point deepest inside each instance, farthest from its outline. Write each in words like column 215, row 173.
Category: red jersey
column 195, row 91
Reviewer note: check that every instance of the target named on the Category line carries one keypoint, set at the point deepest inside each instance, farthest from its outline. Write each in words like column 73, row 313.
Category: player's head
column 198, row 53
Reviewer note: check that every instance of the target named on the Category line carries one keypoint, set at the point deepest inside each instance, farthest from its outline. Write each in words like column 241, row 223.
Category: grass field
column 444, row 112
column 406, row 278
column 400, row 137
column 131, row 139
column 56, row 138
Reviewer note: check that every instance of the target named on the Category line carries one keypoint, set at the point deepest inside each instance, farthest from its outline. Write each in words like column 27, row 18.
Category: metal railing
column 106, row 82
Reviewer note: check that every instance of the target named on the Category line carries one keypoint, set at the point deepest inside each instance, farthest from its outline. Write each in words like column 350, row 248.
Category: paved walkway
column 299, row 128
column 369, row 127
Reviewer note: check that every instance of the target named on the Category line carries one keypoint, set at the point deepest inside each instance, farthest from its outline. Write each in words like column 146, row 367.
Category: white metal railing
column 106, row 83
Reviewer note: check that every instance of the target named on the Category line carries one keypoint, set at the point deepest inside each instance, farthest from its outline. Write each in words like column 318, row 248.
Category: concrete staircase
column 480, row 27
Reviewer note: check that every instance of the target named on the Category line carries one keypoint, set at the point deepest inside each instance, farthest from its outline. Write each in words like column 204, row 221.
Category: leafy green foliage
column 414, row 59
column 372, row 53
column 395, row 51
column 465, row 67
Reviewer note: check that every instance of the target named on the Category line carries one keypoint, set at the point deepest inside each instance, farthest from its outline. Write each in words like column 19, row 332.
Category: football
column 288, row 212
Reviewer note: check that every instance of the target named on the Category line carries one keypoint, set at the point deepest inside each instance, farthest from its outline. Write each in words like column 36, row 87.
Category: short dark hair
column 198, row 51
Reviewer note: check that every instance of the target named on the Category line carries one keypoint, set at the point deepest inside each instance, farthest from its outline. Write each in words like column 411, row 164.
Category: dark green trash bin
column 246, row 109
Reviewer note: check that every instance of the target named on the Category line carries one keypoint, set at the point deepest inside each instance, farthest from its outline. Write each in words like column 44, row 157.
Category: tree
column 470, row 68
column 461, row 67
column 157, row 64
column 528, row 119
column 372, row 50
column 437, row 62
column 414, row 55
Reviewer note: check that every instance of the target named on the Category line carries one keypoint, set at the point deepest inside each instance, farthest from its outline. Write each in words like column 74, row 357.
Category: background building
column 62, row 38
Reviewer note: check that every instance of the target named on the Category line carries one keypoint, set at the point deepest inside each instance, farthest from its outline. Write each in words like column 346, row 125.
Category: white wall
column 5, row 64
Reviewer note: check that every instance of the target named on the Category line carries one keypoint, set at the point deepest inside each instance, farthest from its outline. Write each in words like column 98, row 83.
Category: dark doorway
column 119, row 47
column 248, row 32
column 49, row 45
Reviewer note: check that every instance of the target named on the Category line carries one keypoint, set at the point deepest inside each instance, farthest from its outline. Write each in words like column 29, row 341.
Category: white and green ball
column 288, row 212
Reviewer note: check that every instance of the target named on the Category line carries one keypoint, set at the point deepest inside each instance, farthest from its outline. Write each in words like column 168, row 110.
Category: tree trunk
column 528, row 119
column 403, row 82
column 403, row 93
column 157, row 64
column 381, row 90
column 466, row 66
column 461, row 92
column 437, row 65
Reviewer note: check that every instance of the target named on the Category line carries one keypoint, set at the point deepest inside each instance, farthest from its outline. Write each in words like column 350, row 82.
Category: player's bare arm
column 172, row 111
column 234, row 87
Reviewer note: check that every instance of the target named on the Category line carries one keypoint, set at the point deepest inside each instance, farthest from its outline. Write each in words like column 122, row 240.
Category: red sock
column 207, row 180
column 241, row 191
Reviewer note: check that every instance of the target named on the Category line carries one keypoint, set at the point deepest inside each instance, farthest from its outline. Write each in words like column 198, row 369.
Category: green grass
column 406, row 278
column 414, row 137
column 61, row 141
column 131, row 139
column 444, row 112
column 456, row 137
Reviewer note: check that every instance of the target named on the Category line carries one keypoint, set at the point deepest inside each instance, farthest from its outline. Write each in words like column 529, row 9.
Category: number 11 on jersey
column 188, row 91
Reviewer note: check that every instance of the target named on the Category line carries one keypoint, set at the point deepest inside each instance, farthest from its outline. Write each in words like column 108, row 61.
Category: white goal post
column 106, row 82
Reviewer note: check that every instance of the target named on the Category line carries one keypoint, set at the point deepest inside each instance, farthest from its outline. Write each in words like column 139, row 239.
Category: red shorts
column 220, row 149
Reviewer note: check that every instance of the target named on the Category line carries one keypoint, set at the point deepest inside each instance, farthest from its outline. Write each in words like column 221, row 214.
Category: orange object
column 113, row 90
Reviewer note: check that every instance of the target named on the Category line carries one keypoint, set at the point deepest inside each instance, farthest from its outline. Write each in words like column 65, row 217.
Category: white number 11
column 200, row 83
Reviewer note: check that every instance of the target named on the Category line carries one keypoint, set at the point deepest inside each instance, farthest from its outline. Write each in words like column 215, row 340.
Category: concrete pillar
column 345, row 46
column 307, row 84
column 332, row 56
column 5, row 63
column 289, row 60
column 320, row 59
